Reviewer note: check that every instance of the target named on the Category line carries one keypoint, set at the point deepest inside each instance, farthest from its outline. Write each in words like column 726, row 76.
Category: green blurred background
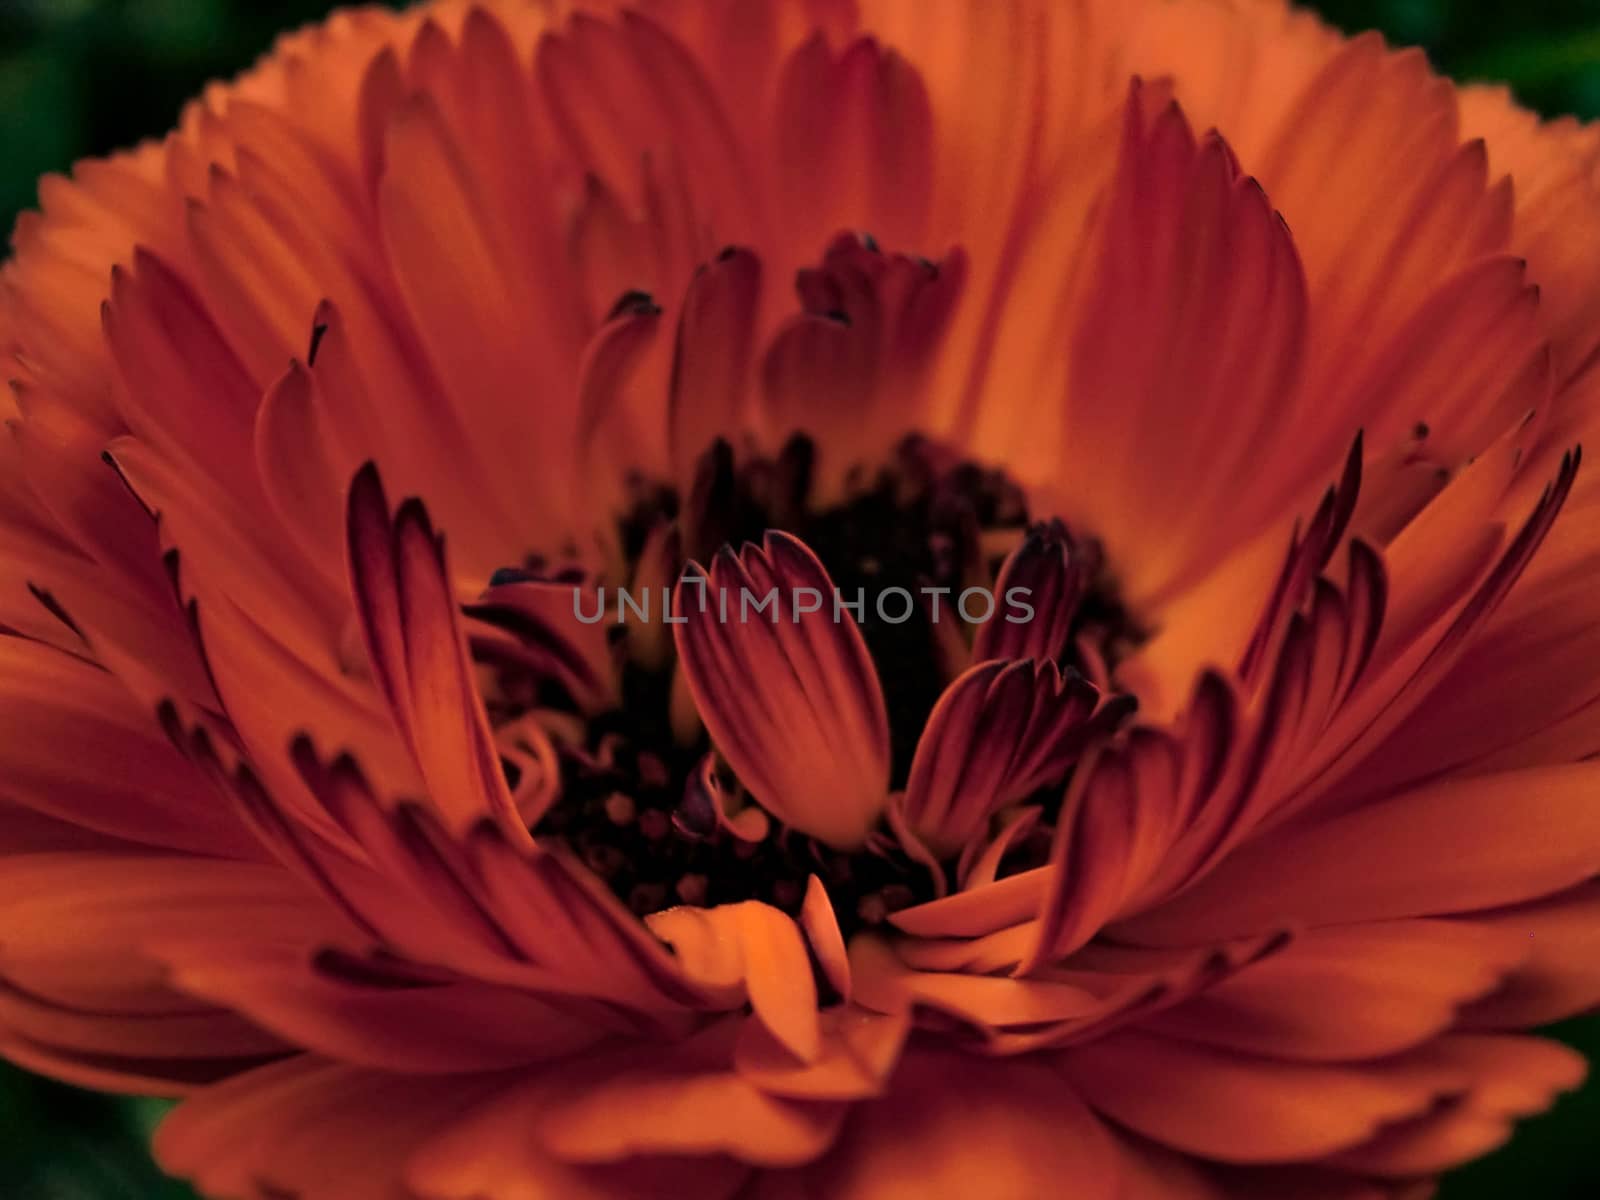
column 83, row 77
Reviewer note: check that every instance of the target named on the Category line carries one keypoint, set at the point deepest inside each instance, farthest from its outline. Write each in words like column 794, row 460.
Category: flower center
column 903, row 544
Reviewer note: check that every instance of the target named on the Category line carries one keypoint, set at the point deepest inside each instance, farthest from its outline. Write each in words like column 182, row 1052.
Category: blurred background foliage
column 84, row 77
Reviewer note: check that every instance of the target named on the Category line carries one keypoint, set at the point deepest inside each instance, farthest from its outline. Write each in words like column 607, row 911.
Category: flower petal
column 854, row 126
column 791, row 699
column 1452, row 847
column 564, row 920
column 850, row 370
column 486, row 1151
column 954, row 1124
column 858, row 1054
column 998, row 733
column 1189, row 256
column 712, row 357
column 308, row 1126
column 979, row 911
column 821, row 926
column 534, row 623
column 1052, row 574
column 1231, row 1108
column 757, row 949
column 412, row 629
column 685, row 1100
column 1560, row 976
column 885, row 984
column 1349, row 992
column 318, row 1002
column 77, row 747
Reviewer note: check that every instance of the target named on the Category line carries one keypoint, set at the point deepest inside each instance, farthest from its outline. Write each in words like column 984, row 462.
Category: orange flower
column 430, row 874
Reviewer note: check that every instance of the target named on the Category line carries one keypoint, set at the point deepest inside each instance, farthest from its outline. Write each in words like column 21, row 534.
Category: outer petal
column 1350, row 992
column 1448, row 848
column 82, row 991
column 688, row 1099
column 487, row 1154
column 309, row 1127
column 1560, row 976
column 853, row 126
column 340, row 1007
column 1497, row 1081
column 1552, row 164
column 76, row 747
column 1234, row 1109
column 957, row 1125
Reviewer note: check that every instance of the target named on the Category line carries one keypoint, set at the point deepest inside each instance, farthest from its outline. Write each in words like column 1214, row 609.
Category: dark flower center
column 634, row 805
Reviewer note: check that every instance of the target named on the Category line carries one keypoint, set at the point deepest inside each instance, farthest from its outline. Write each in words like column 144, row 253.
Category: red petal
column 791, row 700
column 955, row 1124
column 758, row 950
column 711, row 363
column 1052, row 574
column 997, row 733
column 412, row 629
column 1189, row 257
column 1234, row 1109
column 1452, row 847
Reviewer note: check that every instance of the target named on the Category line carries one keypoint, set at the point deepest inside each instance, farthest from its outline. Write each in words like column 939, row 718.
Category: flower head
column 807, row 599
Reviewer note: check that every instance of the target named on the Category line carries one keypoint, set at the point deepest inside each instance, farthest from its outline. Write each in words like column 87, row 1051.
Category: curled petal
column 534, row 624
column 999, row 732
column 412, row 630
column 1048, row 573
column 756, row 951
column 821, row 927
column 1138, row 816
column 790, row 697
column 705, row 797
